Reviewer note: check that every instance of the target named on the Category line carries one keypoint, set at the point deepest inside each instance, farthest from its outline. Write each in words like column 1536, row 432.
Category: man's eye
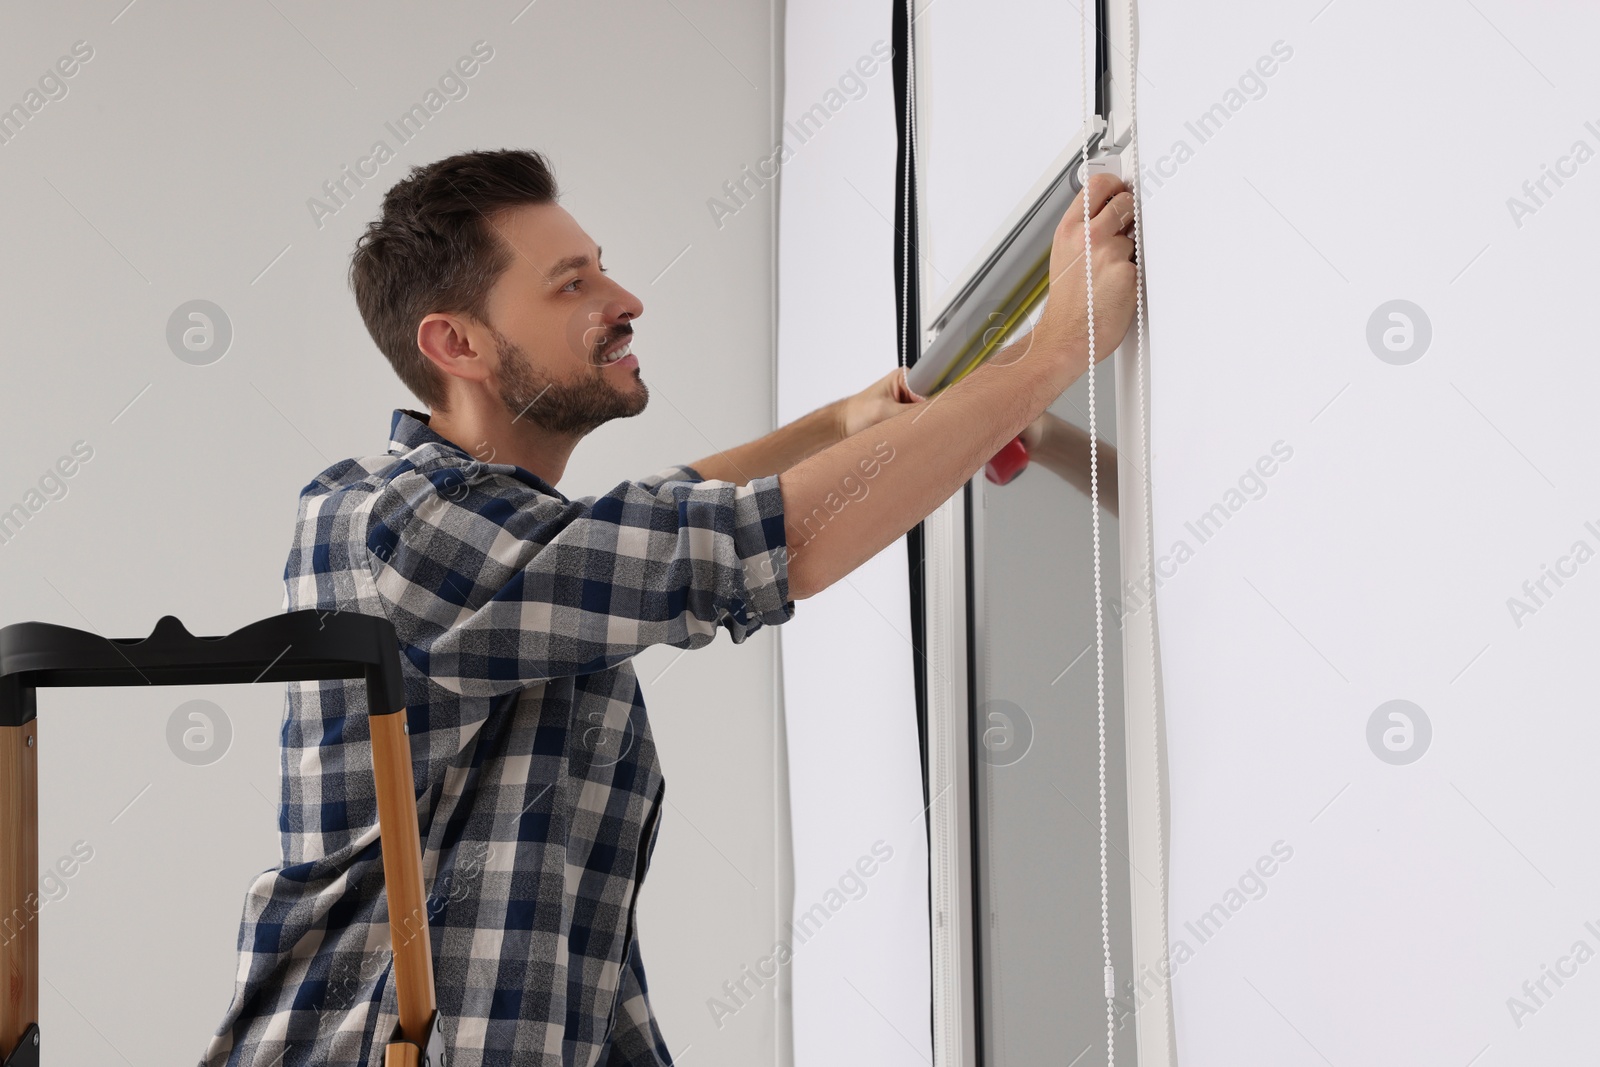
column 575, row 281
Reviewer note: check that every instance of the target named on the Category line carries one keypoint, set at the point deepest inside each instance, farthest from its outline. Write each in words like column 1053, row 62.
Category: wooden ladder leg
column 19, row 882
column 402, row 873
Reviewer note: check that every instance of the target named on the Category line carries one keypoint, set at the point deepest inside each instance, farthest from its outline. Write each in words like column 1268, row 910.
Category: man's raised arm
column 919, row 457
column 807, row 435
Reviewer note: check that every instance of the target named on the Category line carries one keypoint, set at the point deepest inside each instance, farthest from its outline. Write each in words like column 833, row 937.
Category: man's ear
column 446, row 341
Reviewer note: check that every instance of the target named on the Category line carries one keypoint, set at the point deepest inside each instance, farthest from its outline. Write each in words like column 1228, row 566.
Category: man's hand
column 811, row 433
column 883, row 399
column 1064, row 322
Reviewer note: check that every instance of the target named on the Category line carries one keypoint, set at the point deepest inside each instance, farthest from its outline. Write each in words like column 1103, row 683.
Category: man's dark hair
column 433, row 249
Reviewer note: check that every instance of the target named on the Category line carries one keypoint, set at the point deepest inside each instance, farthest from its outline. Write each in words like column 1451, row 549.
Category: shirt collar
column 409, row 430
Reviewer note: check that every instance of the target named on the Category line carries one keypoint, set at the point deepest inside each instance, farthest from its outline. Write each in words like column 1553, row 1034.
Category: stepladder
column 295, row 646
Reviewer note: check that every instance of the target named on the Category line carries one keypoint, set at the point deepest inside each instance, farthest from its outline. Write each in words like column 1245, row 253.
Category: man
column 519, row 610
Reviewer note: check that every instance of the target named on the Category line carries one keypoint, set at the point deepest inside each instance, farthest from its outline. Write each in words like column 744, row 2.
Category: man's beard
column 563, row 408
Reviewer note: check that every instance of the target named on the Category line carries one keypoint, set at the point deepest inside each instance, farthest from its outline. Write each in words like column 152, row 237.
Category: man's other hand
column 883, row 399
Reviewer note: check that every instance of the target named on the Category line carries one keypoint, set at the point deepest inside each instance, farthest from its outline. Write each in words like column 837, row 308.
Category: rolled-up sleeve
column 492, row 586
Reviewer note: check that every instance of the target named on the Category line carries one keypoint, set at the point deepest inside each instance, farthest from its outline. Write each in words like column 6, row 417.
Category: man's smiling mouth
column 617, row 348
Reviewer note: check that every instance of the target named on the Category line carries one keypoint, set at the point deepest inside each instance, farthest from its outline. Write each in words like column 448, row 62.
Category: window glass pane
column 1036, row 772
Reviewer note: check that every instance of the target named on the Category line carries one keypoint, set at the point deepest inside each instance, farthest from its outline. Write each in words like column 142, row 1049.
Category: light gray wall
column 178, row 166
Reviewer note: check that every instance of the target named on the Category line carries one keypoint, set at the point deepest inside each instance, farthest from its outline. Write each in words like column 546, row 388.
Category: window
column 1007, row 583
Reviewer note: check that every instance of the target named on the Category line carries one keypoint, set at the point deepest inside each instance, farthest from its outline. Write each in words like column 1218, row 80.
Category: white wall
column 985, row 140
column 1377, row 163
column 177, row 167
column 861, row 980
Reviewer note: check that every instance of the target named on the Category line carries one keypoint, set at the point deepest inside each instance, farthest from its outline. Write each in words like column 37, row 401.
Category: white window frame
column 952, row 569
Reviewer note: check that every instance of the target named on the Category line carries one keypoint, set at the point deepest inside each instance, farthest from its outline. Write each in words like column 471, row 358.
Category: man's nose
column 623, row 306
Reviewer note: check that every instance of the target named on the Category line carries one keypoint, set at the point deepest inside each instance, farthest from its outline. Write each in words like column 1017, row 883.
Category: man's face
column 559, row 324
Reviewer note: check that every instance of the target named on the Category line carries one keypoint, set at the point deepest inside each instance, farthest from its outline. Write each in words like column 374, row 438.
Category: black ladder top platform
column 296, row 646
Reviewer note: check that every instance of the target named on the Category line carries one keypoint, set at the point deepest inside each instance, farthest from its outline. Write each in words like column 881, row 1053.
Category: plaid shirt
column 538, row 789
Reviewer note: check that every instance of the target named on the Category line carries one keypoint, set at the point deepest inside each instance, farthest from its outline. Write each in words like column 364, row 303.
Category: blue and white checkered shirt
column 538, row 789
